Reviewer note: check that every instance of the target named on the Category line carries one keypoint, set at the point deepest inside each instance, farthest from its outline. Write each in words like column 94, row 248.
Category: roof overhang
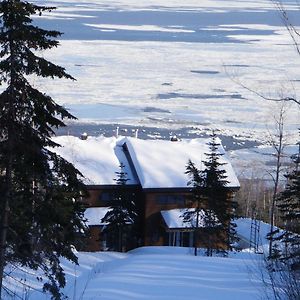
column 110, row 186
column 181, row 189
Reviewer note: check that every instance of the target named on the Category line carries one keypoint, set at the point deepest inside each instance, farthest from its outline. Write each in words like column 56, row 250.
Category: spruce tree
column 211, row 195
column 122, row 216
column 192, row 217
column 219, row 198
column 40, row 215
column 288, row 203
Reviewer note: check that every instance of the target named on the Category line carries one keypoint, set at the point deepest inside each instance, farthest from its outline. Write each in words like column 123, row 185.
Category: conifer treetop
column 215, row 174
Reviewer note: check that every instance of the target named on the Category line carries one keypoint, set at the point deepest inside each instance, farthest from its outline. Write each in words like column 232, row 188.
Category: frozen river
column 172, row 64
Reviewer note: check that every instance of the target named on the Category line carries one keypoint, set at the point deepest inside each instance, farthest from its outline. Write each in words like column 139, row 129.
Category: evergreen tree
column 212, row 202
column 220, row 203
column 40, row 215
column 192, row 217
column 122, row 216
column 288, row 204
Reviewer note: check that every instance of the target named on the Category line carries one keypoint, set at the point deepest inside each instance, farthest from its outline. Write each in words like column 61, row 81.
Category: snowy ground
column 160, row 273
column 170, row 64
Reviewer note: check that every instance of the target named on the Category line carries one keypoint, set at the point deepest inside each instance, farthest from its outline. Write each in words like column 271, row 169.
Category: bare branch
column 280, row 99
column 295, row 35
column 293, row 32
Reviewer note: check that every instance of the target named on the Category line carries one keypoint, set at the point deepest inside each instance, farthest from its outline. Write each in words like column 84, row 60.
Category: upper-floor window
column 109, row 196
column 170, row 199
column 106, row 197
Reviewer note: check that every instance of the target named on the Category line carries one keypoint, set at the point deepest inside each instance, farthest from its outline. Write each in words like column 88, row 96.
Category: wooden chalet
column 156, row 173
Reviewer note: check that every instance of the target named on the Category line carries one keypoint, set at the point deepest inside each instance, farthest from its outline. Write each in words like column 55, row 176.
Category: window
column 170, row 199
column 180, row 238
column 106, row 197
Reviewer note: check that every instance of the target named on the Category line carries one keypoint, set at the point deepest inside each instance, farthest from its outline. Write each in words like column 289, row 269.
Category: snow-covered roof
column 157, row 163
column 162, row 164
column 174, row 218
column 97, row 158
column 94, row 215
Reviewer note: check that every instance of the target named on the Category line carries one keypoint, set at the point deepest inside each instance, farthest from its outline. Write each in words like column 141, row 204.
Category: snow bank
column 244, row 231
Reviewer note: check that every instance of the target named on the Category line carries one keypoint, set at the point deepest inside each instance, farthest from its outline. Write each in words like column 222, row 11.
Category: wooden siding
column 95, row 199
column 93, row 241
column 154, row 231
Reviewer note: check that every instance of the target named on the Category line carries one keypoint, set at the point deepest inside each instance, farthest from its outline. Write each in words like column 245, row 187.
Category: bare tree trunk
column 3, row 233
column 5, row 219
column 196, row 231
column 8, row 168
column 278, row 145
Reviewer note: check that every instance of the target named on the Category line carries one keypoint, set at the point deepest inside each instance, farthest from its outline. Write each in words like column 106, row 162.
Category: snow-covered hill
column 160, row 273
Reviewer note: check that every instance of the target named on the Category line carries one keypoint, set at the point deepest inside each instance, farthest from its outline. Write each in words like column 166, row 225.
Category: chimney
column 174, row 138
column 84, row 136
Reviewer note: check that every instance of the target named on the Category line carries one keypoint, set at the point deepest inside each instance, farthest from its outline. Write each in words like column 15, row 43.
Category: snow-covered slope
column 160, row 273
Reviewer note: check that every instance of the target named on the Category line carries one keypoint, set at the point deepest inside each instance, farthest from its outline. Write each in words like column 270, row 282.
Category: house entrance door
column 180, row 238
